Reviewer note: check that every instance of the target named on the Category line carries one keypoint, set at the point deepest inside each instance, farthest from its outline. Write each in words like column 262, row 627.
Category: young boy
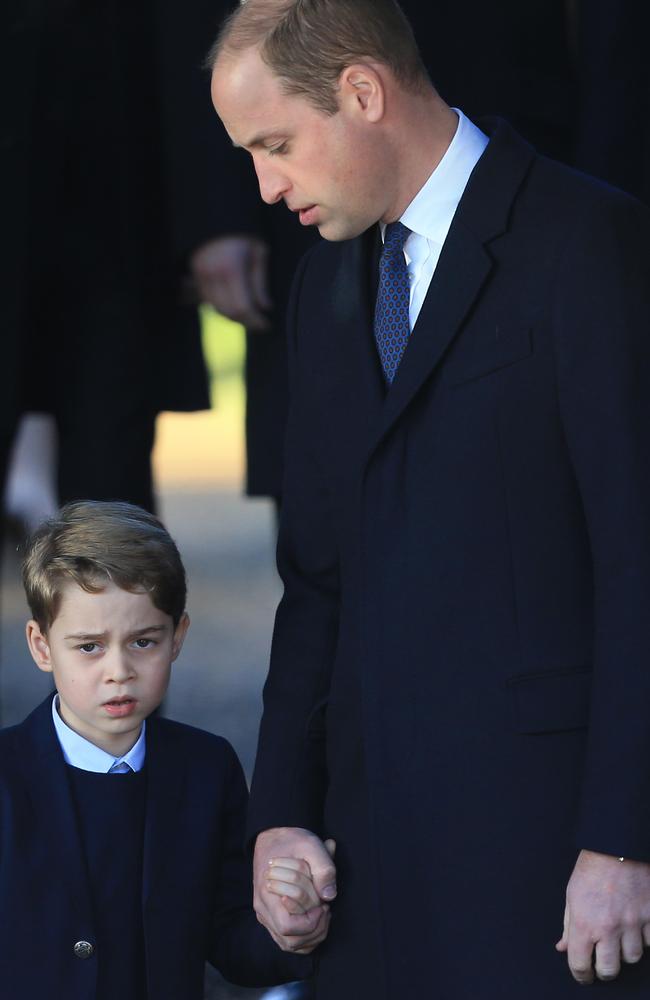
column 121, row 862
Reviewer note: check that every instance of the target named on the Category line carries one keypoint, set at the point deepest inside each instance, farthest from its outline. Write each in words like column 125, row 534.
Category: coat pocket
column 505, row 347
column 551, row 702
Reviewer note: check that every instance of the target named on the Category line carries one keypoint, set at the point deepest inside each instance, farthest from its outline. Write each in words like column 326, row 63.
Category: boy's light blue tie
column 120, row 768
column 392, row 328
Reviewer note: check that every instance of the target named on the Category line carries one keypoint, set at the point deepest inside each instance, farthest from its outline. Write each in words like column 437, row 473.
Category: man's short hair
column 92, row 543
column 308, row 43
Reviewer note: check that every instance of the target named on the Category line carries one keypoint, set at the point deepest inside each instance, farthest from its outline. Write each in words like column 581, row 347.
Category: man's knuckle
column 580, row 925
column 606, row 927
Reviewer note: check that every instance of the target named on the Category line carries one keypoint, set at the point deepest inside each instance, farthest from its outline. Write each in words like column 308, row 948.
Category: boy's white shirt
column 81, row 753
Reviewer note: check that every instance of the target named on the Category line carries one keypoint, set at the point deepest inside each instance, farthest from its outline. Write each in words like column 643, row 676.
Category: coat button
column 84, row 949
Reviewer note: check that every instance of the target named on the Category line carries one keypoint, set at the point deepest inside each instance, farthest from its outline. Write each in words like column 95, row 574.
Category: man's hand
column 607, row 910
column 231, row 275
column 303, row 930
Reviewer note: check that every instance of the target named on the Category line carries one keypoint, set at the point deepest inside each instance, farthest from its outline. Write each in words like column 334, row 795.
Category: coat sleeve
column 290, row 779
column 602, row 344
column 240, row 948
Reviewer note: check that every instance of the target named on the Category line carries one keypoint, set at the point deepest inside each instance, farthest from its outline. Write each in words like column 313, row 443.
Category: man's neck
column 425, row 137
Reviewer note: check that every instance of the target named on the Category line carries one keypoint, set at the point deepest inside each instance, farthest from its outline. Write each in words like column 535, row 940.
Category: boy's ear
column 179, row 634
column 38, row 646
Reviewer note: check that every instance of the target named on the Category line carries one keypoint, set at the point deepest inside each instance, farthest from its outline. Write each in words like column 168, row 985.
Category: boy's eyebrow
column 90, row 636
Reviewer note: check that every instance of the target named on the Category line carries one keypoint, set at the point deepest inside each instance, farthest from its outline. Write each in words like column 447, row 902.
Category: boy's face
column 110, row 654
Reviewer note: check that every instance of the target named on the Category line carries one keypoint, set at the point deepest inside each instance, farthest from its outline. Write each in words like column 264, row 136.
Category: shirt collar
column 431, row 212
column 81, row 753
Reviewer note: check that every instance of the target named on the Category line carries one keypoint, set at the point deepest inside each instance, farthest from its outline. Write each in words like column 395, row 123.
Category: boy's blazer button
column 84, row 949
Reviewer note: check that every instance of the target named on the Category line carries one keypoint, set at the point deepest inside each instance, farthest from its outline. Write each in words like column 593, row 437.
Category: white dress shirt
column 431, row 212
column 83, row 754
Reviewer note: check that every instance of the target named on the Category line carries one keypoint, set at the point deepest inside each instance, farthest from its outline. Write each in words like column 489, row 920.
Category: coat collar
column 463, row 269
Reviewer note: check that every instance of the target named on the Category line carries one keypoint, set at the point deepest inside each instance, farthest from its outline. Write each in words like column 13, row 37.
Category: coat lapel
column 354, row 290
column 165, row 789
column 44, row 769
column 463, row 268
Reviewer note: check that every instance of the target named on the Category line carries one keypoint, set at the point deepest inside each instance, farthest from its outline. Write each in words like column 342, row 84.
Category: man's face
column 325, row 167
column 110, row 654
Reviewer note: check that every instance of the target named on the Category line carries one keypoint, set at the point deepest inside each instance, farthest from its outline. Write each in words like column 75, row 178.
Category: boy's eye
column 278, row 150
column 144, row 643
column 88, row 647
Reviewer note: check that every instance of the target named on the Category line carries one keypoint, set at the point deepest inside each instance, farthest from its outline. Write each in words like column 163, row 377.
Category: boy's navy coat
column 196, row 884
column 459, row 690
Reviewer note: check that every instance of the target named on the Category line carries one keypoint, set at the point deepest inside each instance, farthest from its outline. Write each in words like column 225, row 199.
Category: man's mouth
column 307, row 215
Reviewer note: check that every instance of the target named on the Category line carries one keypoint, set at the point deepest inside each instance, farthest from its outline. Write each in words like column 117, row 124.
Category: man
column 534, row 89
column 458, row 691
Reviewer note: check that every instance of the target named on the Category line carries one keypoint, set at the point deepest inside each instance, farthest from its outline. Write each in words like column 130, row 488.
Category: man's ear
column 179, row 634
column 362, row 89
column 38, row 646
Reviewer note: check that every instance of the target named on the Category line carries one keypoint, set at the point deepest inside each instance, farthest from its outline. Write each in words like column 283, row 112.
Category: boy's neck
column 79, row 750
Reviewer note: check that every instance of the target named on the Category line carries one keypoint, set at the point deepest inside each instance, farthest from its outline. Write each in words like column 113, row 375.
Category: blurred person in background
column 613, row 76
column 111, row 203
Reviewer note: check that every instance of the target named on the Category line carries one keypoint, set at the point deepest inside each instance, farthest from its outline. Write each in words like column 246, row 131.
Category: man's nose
column 273, row 184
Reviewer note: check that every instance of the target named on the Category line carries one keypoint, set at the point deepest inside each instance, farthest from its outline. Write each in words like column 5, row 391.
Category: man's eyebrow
column 94, row 636
column 258, row 140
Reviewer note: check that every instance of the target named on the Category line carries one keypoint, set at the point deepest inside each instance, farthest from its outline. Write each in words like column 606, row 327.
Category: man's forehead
column 250, row 100
column 239, row 75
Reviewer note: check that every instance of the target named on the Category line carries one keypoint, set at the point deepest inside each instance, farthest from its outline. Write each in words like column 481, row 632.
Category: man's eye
column 278, row 150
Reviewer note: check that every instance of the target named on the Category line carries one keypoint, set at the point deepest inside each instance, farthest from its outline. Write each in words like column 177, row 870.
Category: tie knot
column 395, row 237
column 120, row 767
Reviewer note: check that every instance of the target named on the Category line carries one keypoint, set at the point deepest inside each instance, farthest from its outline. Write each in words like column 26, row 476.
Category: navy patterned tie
column 392, row 327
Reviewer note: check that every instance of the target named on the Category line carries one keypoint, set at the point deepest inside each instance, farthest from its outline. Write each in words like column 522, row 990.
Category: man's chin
column 338, row 233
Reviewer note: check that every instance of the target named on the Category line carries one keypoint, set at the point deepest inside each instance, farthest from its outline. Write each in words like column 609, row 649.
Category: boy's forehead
column 111, row 608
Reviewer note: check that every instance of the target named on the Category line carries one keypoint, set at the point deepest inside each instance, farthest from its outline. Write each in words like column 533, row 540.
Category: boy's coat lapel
column 51, row 797
column 165, row 794
column 44, row 768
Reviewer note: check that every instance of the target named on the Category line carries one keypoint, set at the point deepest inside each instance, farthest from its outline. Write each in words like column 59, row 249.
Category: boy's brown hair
column 308, row 43
column 92, row 543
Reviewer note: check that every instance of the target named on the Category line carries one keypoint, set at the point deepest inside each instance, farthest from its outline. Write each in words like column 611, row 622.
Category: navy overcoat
column 196, row 893
column 459, row 689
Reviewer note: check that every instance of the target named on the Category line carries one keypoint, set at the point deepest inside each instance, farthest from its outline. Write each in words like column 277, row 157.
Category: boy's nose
column 120, row 668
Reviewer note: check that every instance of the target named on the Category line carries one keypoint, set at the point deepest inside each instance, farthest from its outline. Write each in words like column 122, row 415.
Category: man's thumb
column 324, row 874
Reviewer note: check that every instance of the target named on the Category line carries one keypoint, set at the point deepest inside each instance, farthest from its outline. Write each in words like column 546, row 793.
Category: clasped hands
column 294, row 883
column 606, row 919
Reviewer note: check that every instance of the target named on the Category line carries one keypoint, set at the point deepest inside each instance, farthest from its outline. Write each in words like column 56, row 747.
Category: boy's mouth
column 119, row 707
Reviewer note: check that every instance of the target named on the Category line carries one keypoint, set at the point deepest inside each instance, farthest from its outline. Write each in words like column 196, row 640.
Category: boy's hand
column 291, row 880
column 300, row 932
